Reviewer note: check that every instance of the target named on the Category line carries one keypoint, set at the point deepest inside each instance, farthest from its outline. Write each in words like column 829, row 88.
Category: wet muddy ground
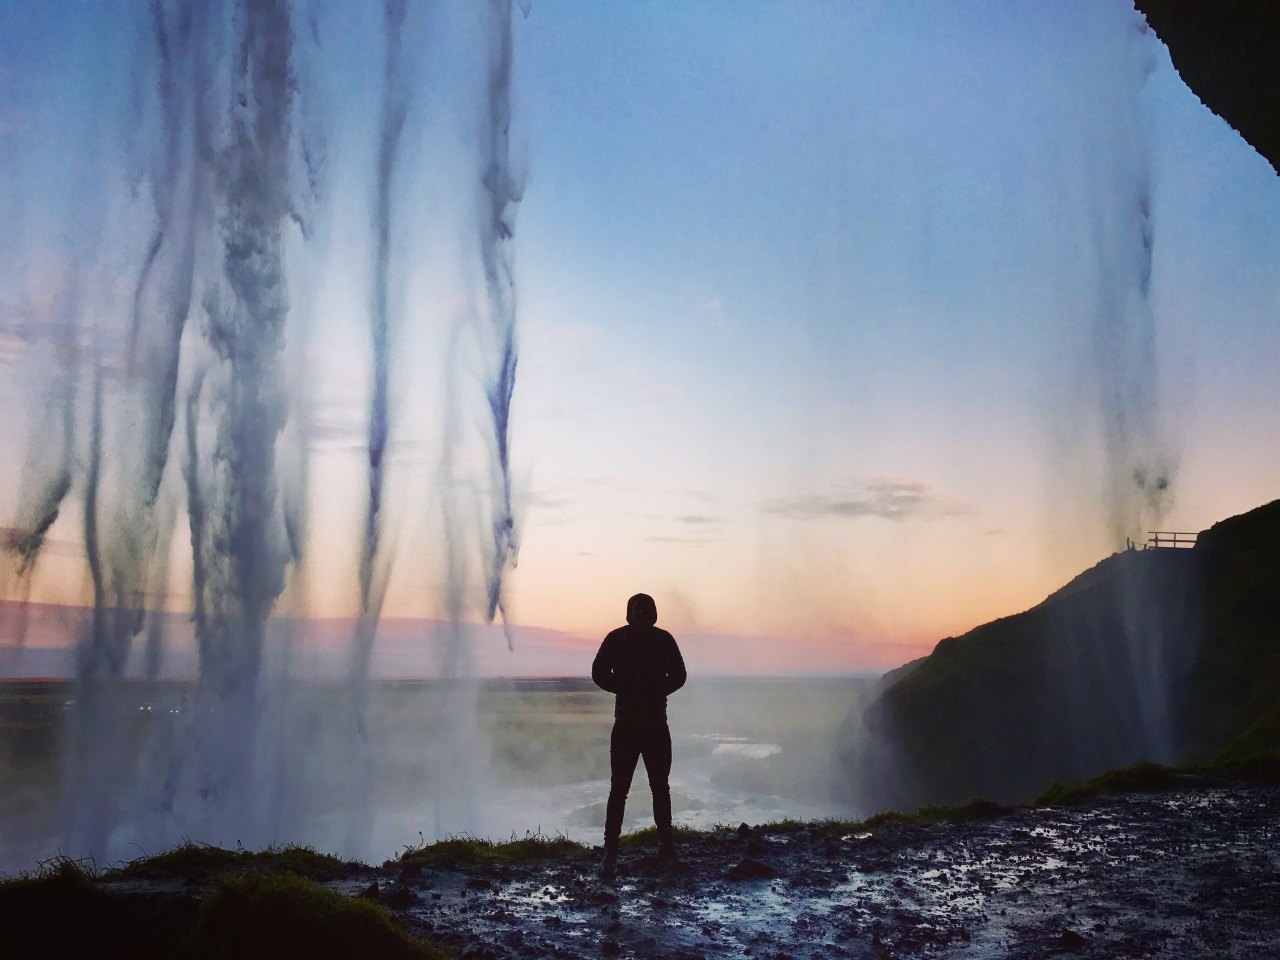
column 1191, row 873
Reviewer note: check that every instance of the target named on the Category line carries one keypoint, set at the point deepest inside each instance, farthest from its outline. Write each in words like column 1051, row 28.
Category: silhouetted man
column 641, row 665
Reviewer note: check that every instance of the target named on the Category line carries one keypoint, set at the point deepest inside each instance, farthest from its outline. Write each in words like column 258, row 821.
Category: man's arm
column 676, row 674
column 602, row 668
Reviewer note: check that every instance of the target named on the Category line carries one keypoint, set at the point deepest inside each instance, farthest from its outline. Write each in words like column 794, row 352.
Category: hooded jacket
column 639, row 663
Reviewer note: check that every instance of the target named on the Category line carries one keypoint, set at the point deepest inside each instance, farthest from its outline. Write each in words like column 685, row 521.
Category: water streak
column 394, row 110
column 245, row 313
column 1139, row 466
column 503, row 189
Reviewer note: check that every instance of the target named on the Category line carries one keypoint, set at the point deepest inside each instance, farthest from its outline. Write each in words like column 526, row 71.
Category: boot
column 668, row 859
column 609, row 867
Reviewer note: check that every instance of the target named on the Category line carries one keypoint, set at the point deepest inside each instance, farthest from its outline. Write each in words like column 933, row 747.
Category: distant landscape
column 753, row 749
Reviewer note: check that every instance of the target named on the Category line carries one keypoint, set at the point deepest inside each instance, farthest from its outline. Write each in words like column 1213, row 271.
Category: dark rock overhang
column 1228, row 53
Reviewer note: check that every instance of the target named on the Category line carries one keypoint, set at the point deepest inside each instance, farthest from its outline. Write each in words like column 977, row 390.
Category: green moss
column 1140, row 777
column 60, row 879
column 197, row 860
column 67, row 910
column 977, row 808
column 648, row 837
column 285, row 915
column 63, row 910
column 1263, row 767
column 185, row 860
column 826, row 826
column 470, row 851
column 1259, row 738
column 783, row 827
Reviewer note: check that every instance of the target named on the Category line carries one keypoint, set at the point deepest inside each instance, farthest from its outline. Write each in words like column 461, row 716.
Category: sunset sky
column 806, row 300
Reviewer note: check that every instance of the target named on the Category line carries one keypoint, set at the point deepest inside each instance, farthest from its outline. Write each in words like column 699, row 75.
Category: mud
column 1193, row 872
column 1182, row 874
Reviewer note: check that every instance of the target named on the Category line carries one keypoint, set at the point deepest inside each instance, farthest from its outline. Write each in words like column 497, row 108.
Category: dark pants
column 632, row 739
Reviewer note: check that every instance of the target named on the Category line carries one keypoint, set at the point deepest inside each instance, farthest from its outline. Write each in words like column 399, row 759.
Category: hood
column 642, row 611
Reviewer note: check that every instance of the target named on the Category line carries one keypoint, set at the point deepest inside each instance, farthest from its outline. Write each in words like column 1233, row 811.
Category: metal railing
column 1162, row 539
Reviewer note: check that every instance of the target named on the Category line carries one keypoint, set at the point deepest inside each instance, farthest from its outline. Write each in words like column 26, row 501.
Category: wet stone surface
column 1193, row 873
column 1185, row 874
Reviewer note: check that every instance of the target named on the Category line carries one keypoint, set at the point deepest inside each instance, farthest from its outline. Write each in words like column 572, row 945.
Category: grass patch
column 785, row 827
column 201, row 860
column 470, row 851
column 978, row 808
column 285, row 915
column 65, row 909
column 648, row 837
column 62, row 910
column 1140, row 777
column 1262, row 767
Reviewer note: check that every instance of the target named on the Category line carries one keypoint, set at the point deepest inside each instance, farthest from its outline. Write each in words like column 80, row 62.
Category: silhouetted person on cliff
column 641, row 664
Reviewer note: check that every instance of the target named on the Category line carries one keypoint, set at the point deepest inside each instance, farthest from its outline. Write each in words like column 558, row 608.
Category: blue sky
column 806, row 294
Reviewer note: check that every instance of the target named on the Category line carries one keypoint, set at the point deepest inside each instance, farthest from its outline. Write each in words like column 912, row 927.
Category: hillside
column 1169, row 655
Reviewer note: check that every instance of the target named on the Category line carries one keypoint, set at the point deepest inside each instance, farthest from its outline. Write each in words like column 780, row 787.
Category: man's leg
column 657, row 764
column 624, row 751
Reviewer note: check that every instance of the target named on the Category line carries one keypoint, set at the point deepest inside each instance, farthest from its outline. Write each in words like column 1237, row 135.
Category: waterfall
column 177, row 417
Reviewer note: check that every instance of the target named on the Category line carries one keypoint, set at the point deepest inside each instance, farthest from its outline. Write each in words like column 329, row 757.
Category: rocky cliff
column 1168, row 655
column 1228, row 52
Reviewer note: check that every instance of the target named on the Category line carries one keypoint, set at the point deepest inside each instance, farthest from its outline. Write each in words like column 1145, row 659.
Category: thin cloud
column 550, row 509
column 703, row 530
column 697, row 520
column 683, row 541
column 544, row 500
column 884, row 498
